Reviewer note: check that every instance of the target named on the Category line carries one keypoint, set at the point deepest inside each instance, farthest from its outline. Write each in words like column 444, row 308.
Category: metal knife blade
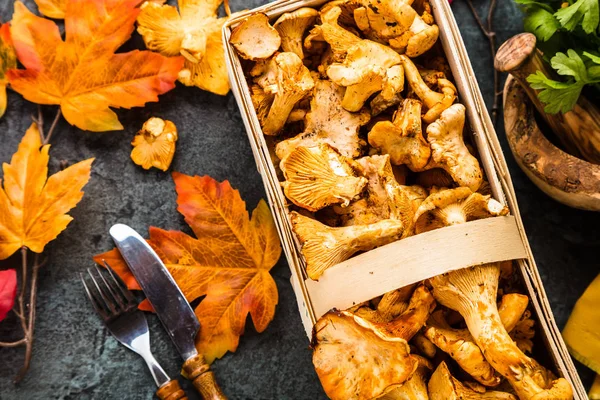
column 160, row 288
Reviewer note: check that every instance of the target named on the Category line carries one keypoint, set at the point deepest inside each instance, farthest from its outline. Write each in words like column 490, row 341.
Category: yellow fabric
column 582, row 332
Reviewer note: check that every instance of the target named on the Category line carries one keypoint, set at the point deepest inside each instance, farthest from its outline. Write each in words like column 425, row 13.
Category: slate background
column 75, row 358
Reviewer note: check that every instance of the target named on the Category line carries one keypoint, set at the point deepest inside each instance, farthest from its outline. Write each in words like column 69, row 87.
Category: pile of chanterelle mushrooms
column 356, row 102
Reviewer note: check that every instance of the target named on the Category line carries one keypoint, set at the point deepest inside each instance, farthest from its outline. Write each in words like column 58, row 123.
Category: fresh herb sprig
column 567, row 34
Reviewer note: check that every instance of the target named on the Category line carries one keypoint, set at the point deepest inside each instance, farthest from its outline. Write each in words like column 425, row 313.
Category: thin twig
column 13, row 344
column 23, row 290
column 30, row 328
column 489, row 33
column 40, row 122
column 51, row 131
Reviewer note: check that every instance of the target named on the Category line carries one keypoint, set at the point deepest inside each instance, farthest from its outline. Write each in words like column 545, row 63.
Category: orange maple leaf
column 82, row 74
column 228, row 261
column 33, row 207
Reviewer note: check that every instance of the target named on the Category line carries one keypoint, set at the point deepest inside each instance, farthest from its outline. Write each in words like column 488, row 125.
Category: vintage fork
column 117, row 307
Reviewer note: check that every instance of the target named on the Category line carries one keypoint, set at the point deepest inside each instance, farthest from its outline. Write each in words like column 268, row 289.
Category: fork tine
column 93, row 299
column 111, row 289
column 120, row 284
column 107, row 303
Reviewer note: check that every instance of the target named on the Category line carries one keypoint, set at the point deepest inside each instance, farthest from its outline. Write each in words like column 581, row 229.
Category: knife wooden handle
column 171, row 391
column 198, row 371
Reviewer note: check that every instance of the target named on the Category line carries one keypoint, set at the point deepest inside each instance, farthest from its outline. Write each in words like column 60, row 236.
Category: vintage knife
column 170, row 305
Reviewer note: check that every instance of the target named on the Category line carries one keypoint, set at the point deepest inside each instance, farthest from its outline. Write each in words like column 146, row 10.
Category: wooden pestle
column 578, row 129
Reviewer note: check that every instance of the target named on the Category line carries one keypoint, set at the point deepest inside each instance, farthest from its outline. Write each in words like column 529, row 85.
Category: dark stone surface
column 75, row 358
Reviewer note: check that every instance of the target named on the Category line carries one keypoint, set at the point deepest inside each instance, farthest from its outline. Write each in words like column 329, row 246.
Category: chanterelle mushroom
column 472, row 292
column 254, row 38
column 383, row 20
column 403, row 138
column 415, row 388
column 443, row 386
column 291, row 27
column 423, row 37
column 391, row 90
column 455, row 206
column 319, row 176
column 154, row 145
column 448, row 150
column 261, row 101
column 459, row 343
column 434, row 101
column 384, row 198
column 327, row 122
column 355, row 360
column 293, row 82
column 324, row 246
column 337, row 37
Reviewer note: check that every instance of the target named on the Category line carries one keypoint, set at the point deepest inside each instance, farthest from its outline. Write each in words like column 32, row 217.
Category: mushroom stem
column 412, row 320
column 472, row 292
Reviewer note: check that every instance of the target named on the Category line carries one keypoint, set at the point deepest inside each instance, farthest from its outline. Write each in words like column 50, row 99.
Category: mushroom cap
column 319, row 176
column 382, row 20
column 293, row 82
column 357, row 94
column 154, row 144
column 339, row 39
column 423, row 39
column 455, row 206
column 261, row 101
column 403, row 138
column 359, row 57
column 324, row 246
column 291, row 27
column 391, row 92
column 443, row 386
column 347, row 8
column 355, row 360
column 328, row 122
column 254, row 38
column 415, row 388
column 435, row 177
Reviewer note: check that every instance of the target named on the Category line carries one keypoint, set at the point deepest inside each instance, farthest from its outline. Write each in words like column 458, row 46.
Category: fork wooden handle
column 171, row 391
column 198, row 371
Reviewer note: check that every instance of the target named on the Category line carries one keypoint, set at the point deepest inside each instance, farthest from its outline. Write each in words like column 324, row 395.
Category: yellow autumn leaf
column 8, row 60
column 52, row 8
column 33, row 207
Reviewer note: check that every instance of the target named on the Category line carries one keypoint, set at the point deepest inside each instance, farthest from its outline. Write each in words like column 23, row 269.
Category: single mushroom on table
column 154, row 144
column 355, row 360
column 455, row 206
column 324, row 246
column 291, row 27
column 472, row 292
column 293, row 82
column 448, row 149
column 443, row 386
column 435, row 102
column 403, row 138
column 316, row 177
column 327, row 122
column 254, row 38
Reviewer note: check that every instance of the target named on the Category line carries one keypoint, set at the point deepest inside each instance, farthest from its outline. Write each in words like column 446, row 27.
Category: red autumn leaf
column 228, row 261
column 8, row 291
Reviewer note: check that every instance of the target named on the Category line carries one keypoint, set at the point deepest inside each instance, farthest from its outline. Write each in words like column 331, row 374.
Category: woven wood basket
column 421, row 256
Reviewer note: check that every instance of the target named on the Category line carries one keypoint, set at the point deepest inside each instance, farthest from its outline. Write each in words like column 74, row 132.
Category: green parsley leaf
column 570, row 65
column 528, row 3
column 541, row 23
column 558, row 96
column 593, row 57
column 584, row 12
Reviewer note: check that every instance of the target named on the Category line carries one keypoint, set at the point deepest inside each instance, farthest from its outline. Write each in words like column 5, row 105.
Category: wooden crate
column 422, row 256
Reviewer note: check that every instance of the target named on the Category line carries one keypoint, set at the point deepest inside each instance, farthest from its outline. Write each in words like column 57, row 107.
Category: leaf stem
column 13, row 344
column 489, row 33
column 31, row 320
column 227, row 8
column 21, row 313
column 53, row 126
